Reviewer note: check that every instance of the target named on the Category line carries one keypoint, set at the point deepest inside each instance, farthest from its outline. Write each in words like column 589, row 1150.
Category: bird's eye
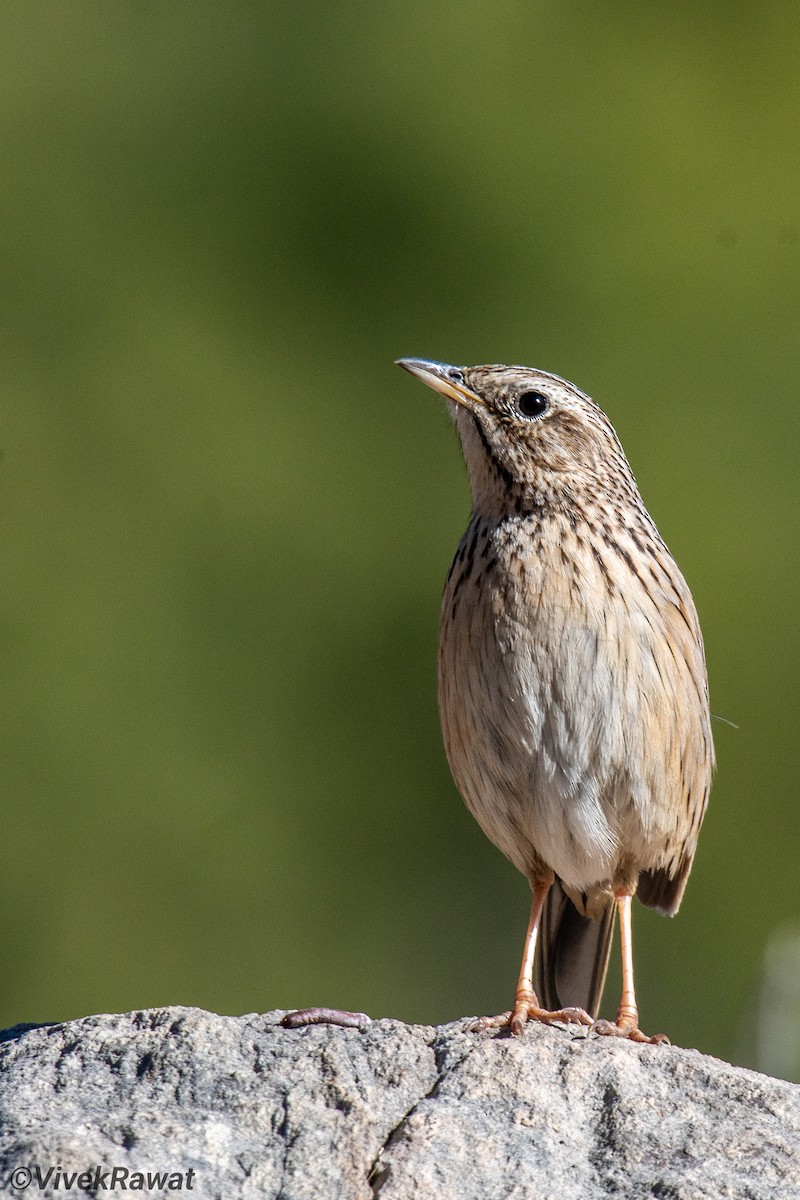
column 532, row 404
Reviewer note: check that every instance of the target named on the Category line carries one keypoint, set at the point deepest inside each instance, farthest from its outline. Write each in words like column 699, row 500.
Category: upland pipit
column 572, row 685
column 572, row 681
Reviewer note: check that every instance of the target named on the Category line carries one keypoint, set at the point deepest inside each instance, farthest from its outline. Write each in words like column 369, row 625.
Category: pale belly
column 560, row 724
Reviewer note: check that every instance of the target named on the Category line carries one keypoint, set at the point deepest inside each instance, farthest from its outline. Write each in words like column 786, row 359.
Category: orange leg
column 526, row 1006
column 627, row 1022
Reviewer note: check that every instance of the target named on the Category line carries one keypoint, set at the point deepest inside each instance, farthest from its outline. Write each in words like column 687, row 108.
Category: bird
column 572, row 683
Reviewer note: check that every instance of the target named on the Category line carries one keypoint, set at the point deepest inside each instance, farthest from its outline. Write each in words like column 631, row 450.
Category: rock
column 239, row 1106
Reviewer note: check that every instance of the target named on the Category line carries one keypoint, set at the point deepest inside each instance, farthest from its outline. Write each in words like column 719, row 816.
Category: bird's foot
column 527, row 1008
column 325, row 1016
column 627, row 1027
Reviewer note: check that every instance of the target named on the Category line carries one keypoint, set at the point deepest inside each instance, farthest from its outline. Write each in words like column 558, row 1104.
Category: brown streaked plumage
column 572, row 681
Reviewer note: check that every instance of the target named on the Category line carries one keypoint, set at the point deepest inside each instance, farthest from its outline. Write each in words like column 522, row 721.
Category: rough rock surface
column 395, row 1111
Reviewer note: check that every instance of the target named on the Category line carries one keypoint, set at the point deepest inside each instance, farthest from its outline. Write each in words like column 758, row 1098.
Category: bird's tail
column 572, row 953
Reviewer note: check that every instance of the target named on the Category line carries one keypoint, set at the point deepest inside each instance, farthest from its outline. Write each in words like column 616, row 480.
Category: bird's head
column 530, row 439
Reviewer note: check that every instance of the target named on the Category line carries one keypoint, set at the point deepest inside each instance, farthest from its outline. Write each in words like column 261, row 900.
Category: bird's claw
column 629, row 1030
column 479, row 1024
column 527, row 1008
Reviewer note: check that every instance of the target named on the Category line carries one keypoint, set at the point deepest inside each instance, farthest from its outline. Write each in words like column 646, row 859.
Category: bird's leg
column 526, row 1005
column 627, row 1023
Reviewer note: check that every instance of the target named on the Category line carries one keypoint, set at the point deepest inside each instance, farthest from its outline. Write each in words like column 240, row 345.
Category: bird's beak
column 442, row 378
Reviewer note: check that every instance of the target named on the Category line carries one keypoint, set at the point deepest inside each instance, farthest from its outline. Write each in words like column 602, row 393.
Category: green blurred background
column 226, row 517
